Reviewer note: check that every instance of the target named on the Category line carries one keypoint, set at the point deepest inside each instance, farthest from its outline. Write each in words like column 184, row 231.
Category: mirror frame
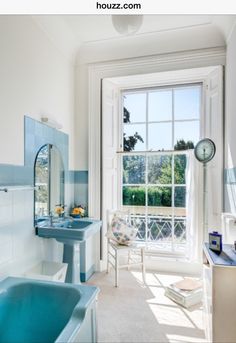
column 50, row 146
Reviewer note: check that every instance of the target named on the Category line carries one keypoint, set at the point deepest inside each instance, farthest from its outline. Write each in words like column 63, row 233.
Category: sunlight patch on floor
column 170, row 316
column 140, row 313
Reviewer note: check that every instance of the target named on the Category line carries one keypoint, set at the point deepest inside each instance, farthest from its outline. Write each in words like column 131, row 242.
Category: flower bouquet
column 77, row 211
column 60, row 210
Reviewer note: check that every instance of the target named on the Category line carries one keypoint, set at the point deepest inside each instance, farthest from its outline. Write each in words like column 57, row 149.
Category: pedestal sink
column 71, row 233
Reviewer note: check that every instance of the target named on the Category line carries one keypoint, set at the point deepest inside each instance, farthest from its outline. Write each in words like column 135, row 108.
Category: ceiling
column 70, row 32
column 89, row 28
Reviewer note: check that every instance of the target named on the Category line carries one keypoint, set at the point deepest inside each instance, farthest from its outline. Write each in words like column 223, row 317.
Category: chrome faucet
column 50, row 218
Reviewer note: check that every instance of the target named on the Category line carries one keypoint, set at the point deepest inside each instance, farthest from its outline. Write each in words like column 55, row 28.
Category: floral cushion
column 121, row 231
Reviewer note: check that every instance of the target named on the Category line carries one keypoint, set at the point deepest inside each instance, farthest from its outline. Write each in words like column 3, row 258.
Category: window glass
column 133, row 169
column 134, row 137
column 180, row 194
column 179, row 169
column 134, row 108
column 134, row 196
column 160, row 136
column 159, row 169
column 179, row 231
column 159, row 196
column 160, row 105
column 186, row 132
column 187, row 103
column 160, row 231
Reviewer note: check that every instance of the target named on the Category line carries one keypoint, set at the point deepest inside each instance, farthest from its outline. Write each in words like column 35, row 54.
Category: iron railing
column 162, row 232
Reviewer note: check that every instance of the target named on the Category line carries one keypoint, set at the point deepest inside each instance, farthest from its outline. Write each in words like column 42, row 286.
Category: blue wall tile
column 81, row 176
column 70, row 177
column 12, row 175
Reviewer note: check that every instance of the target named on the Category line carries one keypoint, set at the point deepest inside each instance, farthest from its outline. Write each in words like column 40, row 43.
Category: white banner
column 117, row 7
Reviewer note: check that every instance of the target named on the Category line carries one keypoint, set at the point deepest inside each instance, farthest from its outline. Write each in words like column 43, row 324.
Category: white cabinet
column 219, row 283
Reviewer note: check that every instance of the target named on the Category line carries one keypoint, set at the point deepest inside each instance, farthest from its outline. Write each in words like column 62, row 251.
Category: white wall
column 35, row 79
column 128, row 48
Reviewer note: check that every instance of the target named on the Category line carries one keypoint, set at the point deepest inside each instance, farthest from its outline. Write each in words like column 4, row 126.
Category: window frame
column 147, row 152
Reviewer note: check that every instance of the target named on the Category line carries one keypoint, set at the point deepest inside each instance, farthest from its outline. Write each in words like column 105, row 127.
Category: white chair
column 115, row 250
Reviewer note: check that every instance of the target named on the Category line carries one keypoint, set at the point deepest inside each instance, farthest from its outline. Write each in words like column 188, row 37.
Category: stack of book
column 187, row 292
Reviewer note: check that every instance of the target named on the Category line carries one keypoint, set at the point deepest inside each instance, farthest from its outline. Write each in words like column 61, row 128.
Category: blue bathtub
column 45, row 312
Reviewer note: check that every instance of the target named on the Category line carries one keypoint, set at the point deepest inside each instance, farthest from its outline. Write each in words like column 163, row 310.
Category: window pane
column 133, row 169
column 134, row 137
column 160, row 105
column 180, row 166
column 187, row 103
column 160, row 230
column 134, row 108
column 160, row 136
column 133, row 196
column 159, row 196
column 180, row 230
column 180, row 195
column 159, row 169
column 139, row 222
column 186, row 133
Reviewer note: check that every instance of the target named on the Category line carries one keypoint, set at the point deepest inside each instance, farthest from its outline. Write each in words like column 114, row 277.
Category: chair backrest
column 124, row 214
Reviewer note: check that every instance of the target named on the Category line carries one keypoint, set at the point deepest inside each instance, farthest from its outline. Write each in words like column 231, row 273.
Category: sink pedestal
column 71, row 256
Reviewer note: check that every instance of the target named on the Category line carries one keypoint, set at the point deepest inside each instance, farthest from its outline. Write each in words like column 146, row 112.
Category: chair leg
column 116, row 268
column 143, row 264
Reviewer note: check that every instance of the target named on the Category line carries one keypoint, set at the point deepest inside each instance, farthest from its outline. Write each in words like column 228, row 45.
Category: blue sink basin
column 69, row 231
column 48, row 312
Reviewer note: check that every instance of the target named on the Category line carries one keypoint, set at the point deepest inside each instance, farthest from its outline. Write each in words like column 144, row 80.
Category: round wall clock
column 205, row 150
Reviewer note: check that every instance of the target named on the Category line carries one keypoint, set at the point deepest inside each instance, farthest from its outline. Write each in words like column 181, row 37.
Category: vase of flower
column 77, row 211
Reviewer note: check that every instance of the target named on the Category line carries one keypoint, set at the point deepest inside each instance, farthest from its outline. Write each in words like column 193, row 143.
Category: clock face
column 205, row 150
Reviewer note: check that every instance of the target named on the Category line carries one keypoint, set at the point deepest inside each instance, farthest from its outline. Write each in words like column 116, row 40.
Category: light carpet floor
column 140, row 313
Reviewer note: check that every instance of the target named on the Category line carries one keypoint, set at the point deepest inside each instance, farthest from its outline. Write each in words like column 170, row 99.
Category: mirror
column 48, row 181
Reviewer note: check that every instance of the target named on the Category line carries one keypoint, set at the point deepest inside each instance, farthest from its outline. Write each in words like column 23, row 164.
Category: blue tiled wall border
column 77, row 176
column 12, row 175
